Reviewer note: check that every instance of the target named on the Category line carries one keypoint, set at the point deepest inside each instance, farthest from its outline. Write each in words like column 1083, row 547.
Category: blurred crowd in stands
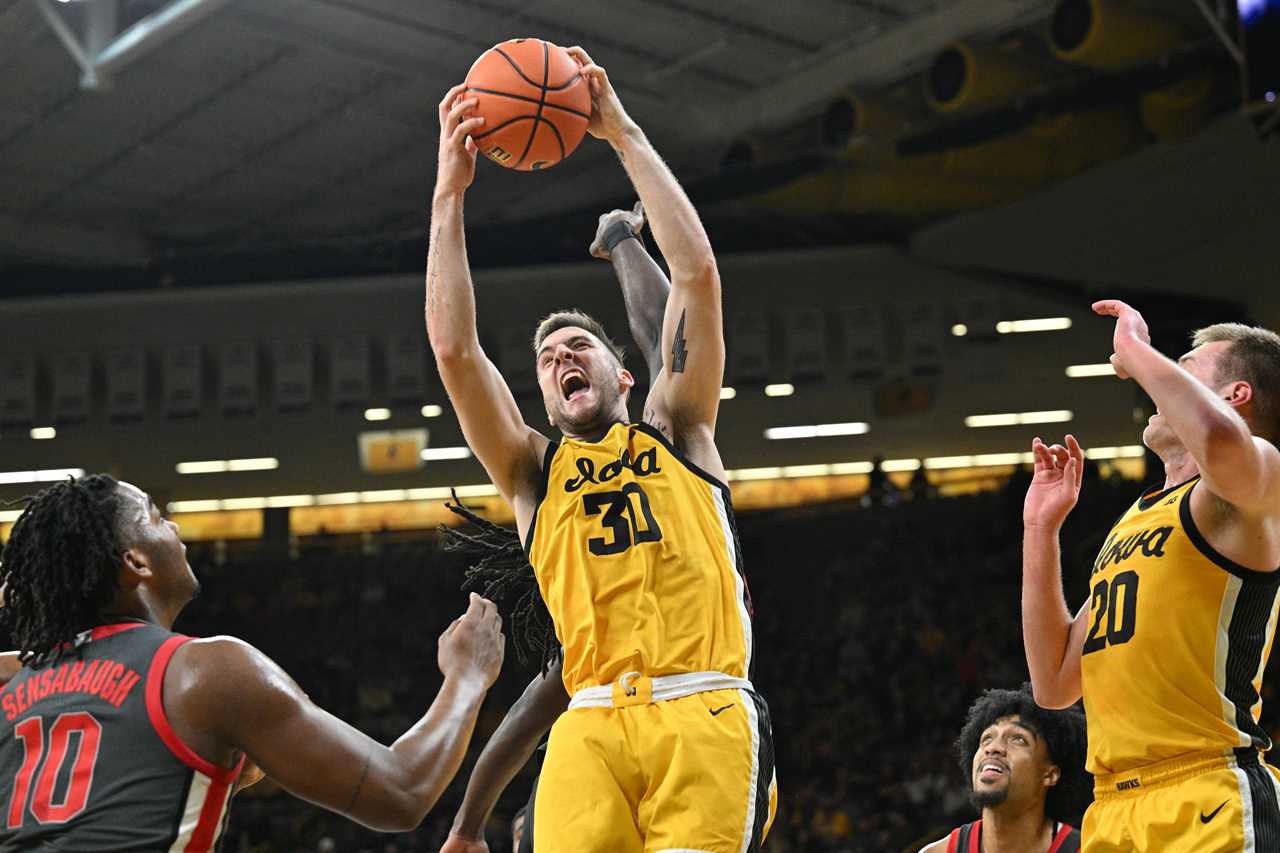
column 878, row 622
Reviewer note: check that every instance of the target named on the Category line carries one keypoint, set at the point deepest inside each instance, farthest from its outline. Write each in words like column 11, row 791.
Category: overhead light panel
column 959, row 330
column 816, row 430
column 728, row 393
column 1043, row 324
column 1083, row 371
column 377, row 414
column 49, row 475
column 435, row 454
column 221, row 466
column 1055, row 416
column 780, row 389
column 431, row 410
column 44, row 433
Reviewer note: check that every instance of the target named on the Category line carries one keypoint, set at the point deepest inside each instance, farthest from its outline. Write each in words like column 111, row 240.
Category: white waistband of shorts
column 664, row 687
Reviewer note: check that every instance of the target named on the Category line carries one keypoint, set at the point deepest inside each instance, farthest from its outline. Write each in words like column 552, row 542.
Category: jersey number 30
column 626, row 526
column 31, row 732
column 1118, row 604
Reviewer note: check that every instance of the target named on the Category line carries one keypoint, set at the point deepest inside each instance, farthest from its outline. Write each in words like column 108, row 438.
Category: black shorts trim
column 1265, row 802
column 764, row 772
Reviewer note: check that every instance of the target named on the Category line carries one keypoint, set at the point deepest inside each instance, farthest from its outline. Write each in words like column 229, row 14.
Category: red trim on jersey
column 953, row 839
column 103, row 631
column 160, row 720
column 975, row 837
column 206, row 831
column 1064, row 831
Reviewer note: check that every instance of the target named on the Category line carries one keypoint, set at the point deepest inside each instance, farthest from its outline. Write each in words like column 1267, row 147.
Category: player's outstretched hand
column 609, row 121
column 1130, row 327
column 473, row 646
column 454, row 844
column 456, row 168
column 634, row 217
column 1055, row 486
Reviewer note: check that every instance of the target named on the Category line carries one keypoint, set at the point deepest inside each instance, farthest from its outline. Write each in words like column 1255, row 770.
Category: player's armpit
column 232, row 690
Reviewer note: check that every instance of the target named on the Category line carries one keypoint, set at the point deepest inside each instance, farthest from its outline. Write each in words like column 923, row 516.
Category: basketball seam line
column 559, row 138
column 565, row 85
column 506, row 123
column 537, row 119
column 528, row 100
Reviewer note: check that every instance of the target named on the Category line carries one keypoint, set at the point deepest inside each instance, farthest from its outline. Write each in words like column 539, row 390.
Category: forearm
column 1046, row 621
column 644, row 290
column 675, row 224
column 1213, row 433
column 450, row 300
column 510, row 748
column 432, row 751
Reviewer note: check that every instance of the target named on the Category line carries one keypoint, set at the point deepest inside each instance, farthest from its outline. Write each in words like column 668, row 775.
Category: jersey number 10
column 621, row 519
column 31, row 732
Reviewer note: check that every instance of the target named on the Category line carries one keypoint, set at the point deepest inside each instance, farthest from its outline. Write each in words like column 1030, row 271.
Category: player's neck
column 1179, row 466
column 1007, row 831
column 143, row 606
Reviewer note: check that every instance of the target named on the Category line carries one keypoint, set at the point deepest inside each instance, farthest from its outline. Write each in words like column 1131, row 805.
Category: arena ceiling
column 275, row 139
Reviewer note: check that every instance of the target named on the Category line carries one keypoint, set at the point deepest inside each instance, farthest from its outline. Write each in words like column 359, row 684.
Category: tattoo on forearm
column 355, row 795
column 679, row 352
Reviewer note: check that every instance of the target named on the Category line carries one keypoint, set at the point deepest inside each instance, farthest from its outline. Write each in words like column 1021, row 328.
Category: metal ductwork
column 1110, row 35
column 964, row 77
column 851, row 115
column 872, row 178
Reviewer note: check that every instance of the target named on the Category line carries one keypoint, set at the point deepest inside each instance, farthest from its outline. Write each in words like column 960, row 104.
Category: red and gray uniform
column 89, row 760
column 968, row 839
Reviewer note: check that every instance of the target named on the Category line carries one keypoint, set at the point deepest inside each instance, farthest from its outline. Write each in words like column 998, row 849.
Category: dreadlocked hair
column 1063, row 733
column 59, row 568
column 501, row 572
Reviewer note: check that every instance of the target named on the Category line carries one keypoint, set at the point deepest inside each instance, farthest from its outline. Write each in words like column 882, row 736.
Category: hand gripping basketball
column 456, row 167
column 609, row 121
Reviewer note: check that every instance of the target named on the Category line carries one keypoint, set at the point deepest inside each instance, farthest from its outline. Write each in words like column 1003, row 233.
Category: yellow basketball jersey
column 637, row 558
column 1178, row 638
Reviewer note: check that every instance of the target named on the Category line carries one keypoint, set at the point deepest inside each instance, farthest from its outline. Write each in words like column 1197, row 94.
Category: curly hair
column 60, row 566
column 501, row 572
column 1063, row 733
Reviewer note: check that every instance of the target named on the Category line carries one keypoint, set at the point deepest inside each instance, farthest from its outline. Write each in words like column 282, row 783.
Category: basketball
column 534, row 101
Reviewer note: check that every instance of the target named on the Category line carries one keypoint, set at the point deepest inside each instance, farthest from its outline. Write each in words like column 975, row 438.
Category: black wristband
column 616, row 233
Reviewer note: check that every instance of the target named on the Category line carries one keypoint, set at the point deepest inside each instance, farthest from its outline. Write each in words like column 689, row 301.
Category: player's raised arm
column 644, row 285
column 1237, row 466
column 230, row 689
column 490, row 419
column 508, row 750
column 1054, row 640
column 693, row 331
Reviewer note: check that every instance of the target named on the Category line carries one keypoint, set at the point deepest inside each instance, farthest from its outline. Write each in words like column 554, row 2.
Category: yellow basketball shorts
column 1201, row 803
column 693, row 774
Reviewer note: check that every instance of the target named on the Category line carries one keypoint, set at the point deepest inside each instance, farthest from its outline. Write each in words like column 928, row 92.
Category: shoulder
column 939, row 846
column 214, row 666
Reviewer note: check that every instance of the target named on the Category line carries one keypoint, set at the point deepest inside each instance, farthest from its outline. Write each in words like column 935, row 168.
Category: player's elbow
column 402, row 811
column 698, row 272
column 1053, row 696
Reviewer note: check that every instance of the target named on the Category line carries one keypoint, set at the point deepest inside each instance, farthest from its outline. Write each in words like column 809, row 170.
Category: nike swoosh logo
column 1212, row 814
column 716, row 711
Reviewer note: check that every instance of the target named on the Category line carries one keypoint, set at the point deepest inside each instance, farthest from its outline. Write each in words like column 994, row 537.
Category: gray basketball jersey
column 90, row 760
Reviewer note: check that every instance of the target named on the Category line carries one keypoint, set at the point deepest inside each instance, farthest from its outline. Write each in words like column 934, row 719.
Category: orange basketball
column 534, row 100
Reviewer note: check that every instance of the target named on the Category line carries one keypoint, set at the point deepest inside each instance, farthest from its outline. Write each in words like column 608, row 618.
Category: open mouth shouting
column 574, row 384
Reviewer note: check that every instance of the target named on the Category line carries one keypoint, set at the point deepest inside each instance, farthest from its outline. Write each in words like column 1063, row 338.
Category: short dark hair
column 1254, row 357
column 574, row 317
column 1063, row 733
column 61, row 565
